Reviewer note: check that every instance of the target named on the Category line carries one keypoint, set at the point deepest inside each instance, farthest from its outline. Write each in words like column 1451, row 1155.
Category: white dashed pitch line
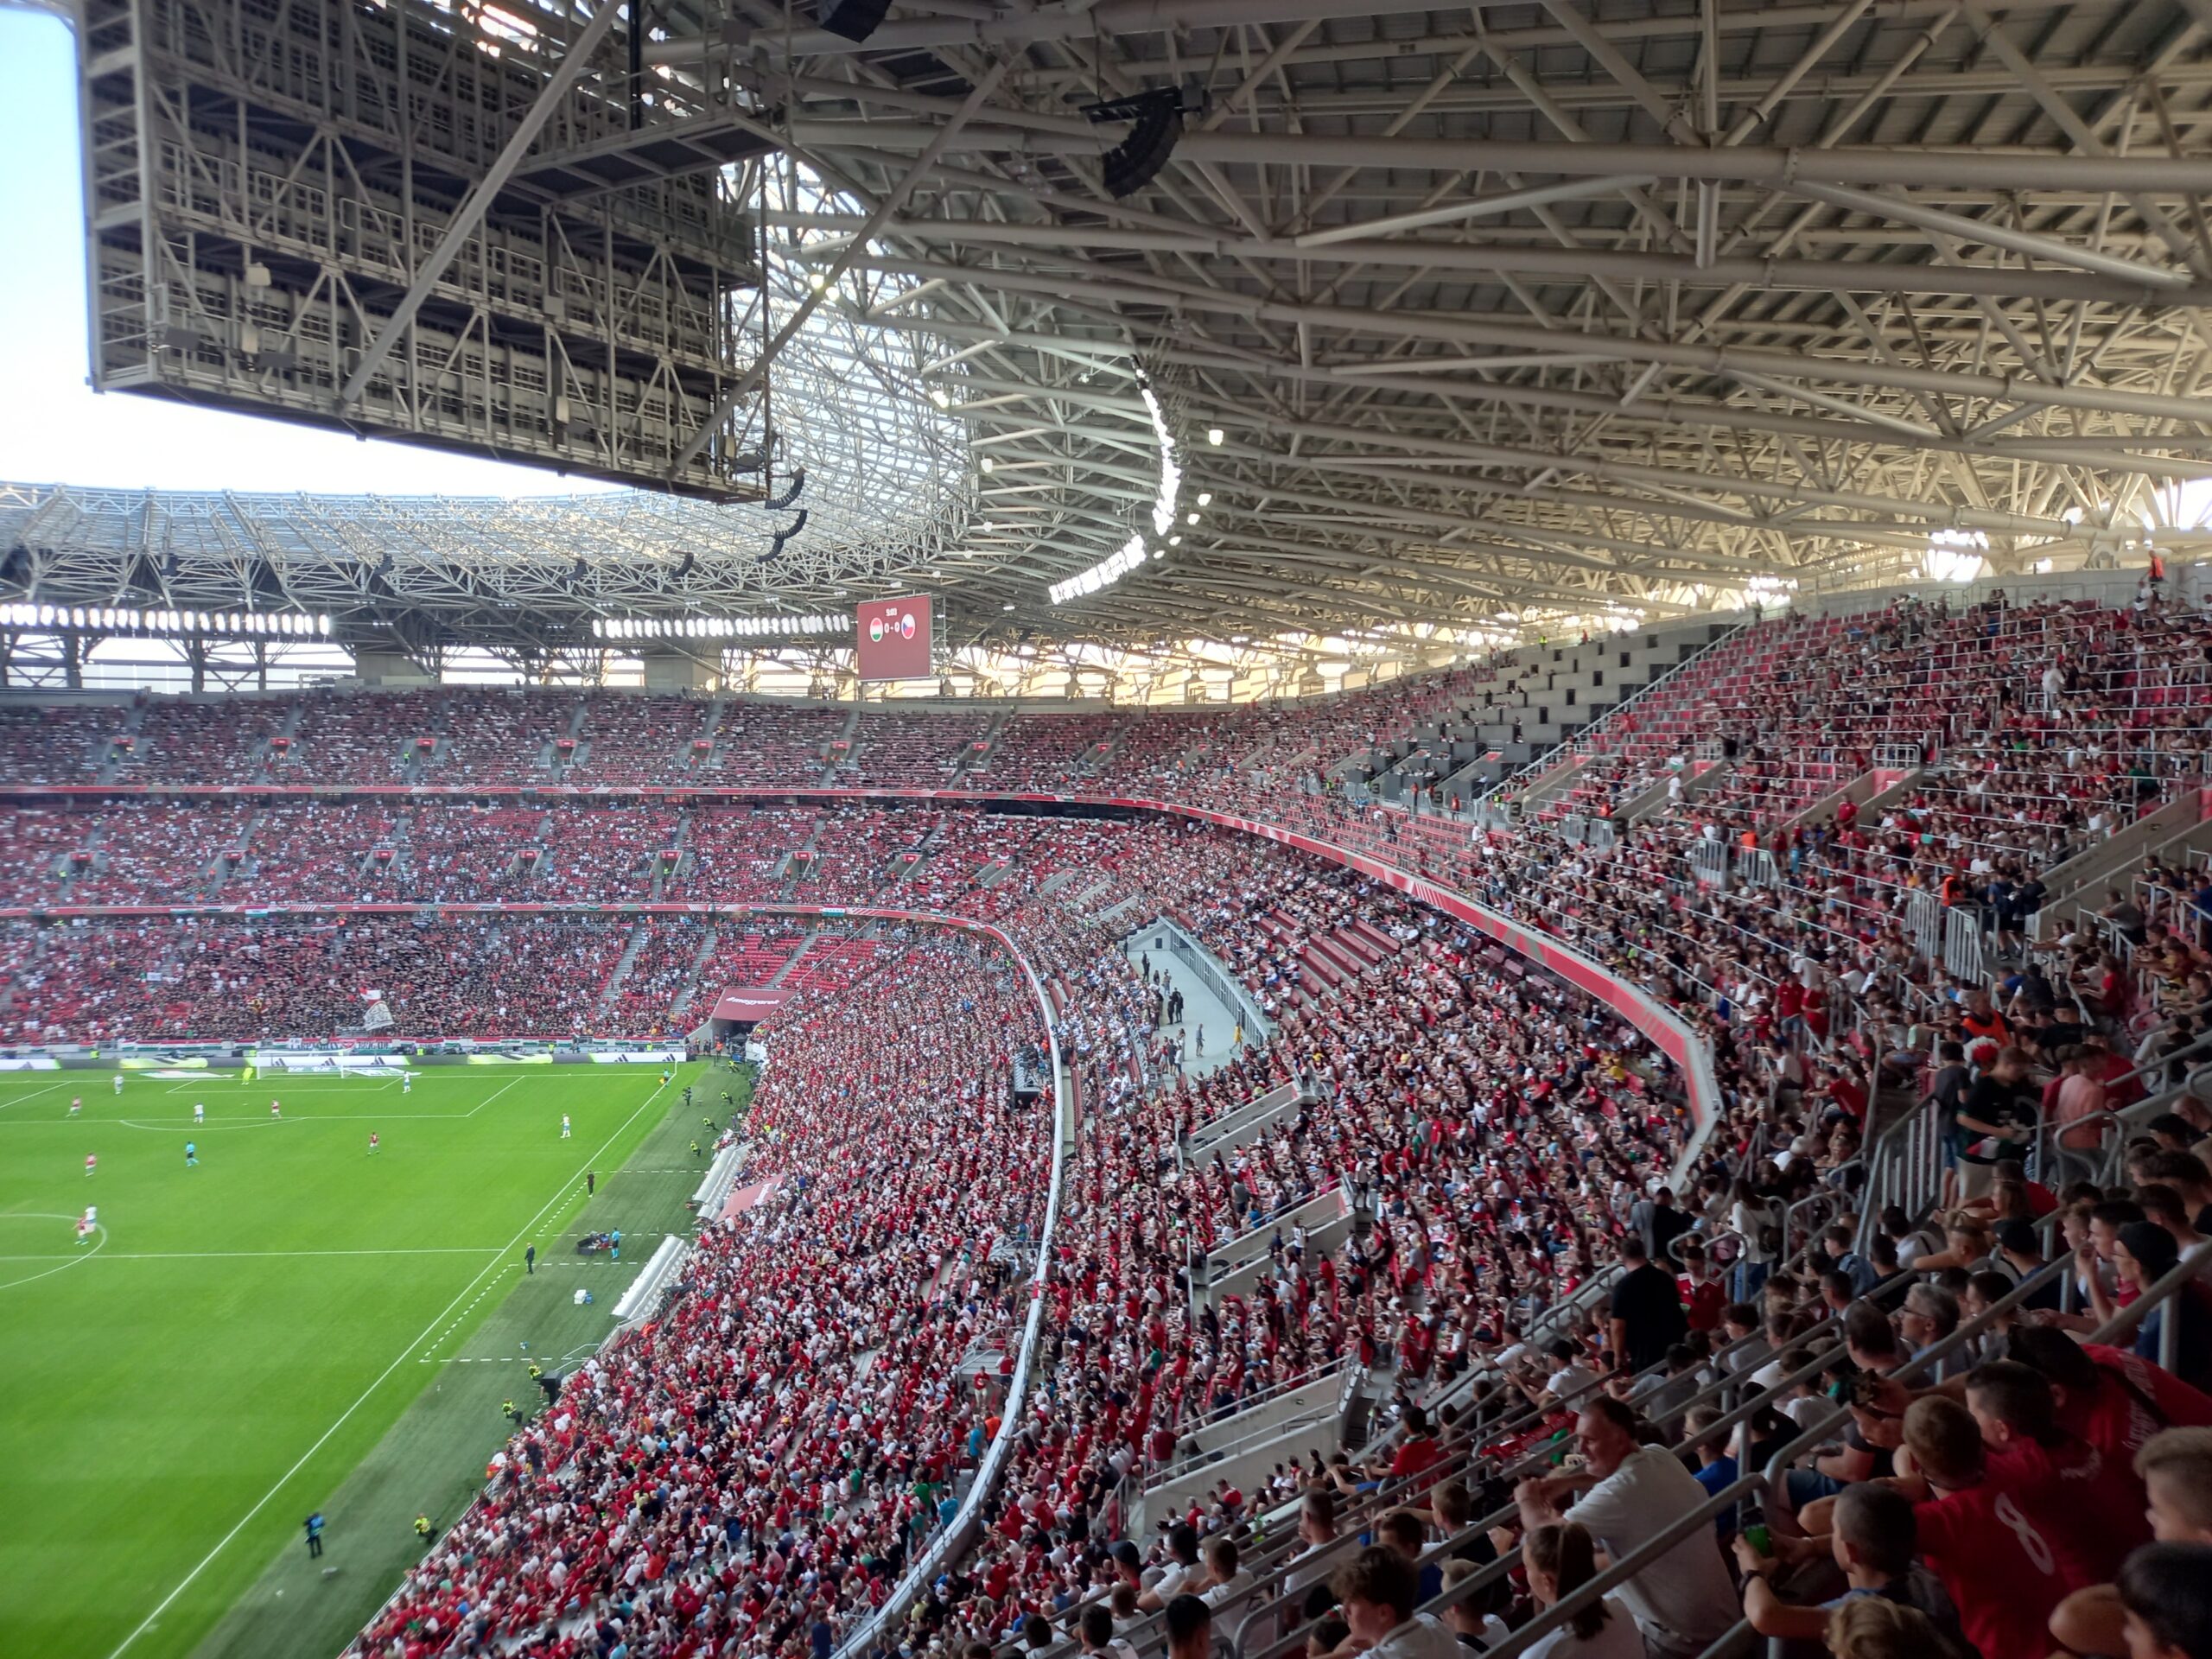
column 263, row 1503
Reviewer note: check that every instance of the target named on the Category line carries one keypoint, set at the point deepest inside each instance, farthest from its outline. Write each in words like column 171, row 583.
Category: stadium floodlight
column 1101, row 574
column 1213, row 436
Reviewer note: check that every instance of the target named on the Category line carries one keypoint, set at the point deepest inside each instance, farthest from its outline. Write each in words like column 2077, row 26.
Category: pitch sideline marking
column 284, row 1480
column 222, row 1255
column 34, row 1094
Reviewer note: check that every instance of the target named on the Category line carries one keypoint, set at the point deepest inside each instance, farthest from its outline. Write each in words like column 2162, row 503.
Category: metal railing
column 954, row 1536
column 1905, row 1167
column 1226, row 988
column 1583, row 742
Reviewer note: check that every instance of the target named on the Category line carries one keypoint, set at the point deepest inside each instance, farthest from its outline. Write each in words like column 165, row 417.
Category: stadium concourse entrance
column 1201, row 1015
column 736, row 1013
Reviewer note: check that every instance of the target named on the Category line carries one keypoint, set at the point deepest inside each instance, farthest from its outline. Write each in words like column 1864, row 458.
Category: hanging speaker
column 1156, row 119
column 854, row 19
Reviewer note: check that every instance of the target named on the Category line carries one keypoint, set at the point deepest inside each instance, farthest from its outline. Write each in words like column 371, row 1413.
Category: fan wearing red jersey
column 2007, row 1553
column 2018, row 1418
column 2111, row 1397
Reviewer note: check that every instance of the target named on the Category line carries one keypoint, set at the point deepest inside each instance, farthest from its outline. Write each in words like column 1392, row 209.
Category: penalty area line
column 285, row 1479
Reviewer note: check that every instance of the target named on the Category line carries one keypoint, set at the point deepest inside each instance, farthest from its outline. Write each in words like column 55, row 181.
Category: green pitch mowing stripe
column 238, row 1336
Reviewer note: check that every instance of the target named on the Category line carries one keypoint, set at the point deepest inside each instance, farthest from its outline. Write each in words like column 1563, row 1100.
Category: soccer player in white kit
column 407, row 1083
column 87, row 1221
column 199, row 1111
column 118, row 1082
column 564, row 1126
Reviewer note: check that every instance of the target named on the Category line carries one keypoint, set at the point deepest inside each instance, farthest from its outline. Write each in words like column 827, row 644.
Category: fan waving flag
column 893, row 639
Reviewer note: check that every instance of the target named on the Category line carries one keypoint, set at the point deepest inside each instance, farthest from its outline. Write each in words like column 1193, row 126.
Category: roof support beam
column 880, row 215
column 1140, row 289
column 1900, row 211
column 1360, row 245
column 470, row 214
column 1902, row 165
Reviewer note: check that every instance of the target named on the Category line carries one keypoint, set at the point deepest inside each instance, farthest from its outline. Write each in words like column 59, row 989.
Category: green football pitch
column 295, row 1324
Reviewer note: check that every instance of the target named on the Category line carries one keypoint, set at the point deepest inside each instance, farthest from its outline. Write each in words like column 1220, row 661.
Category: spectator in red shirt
column 2019, row 1417
column 1996, row 1532
column 1705, row 1297
column 2176, row 1469
column 1418, row 1453
column 2111, row 1397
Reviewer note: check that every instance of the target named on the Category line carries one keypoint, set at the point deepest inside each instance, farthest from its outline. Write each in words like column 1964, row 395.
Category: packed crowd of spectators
column 751, row 1473
column 760, row 1457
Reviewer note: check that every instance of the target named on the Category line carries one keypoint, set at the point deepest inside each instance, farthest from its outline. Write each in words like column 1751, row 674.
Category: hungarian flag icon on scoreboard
column 893, row 637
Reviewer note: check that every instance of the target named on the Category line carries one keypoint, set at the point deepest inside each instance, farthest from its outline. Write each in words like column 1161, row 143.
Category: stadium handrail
column 955, row 1535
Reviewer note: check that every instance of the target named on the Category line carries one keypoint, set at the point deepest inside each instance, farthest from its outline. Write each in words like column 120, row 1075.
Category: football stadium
column 1106, row 829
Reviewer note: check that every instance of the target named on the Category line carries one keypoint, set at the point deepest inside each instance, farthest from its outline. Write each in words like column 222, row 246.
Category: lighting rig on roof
column 1132, row 553
column 109, row 619
column 714, row 627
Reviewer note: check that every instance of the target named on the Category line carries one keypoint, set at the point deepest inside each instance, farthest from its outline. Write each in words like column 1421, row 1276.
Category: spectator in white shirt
column 1683, row 1599
column 1224, row 1579
column 1189, row 1629
column 1182, row 1570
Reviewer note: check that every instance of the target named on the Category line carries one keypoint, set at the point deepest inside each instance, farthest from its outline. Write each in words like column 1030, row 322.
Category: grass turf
column 295, row 1324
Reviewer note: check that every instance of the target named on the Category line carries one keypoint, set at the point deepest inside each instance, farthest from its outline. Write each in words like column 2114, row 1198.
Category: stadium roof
column 1570, row 310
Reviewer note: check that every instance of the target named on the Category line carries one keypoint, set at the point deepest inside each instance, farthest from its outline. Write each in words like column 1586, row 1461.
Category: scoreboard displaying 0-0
column 893, row 639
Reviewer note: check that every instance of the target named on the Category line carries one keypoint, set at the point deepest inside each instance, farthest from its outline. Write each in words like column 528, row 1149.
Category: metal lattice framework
column 1504, row 312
